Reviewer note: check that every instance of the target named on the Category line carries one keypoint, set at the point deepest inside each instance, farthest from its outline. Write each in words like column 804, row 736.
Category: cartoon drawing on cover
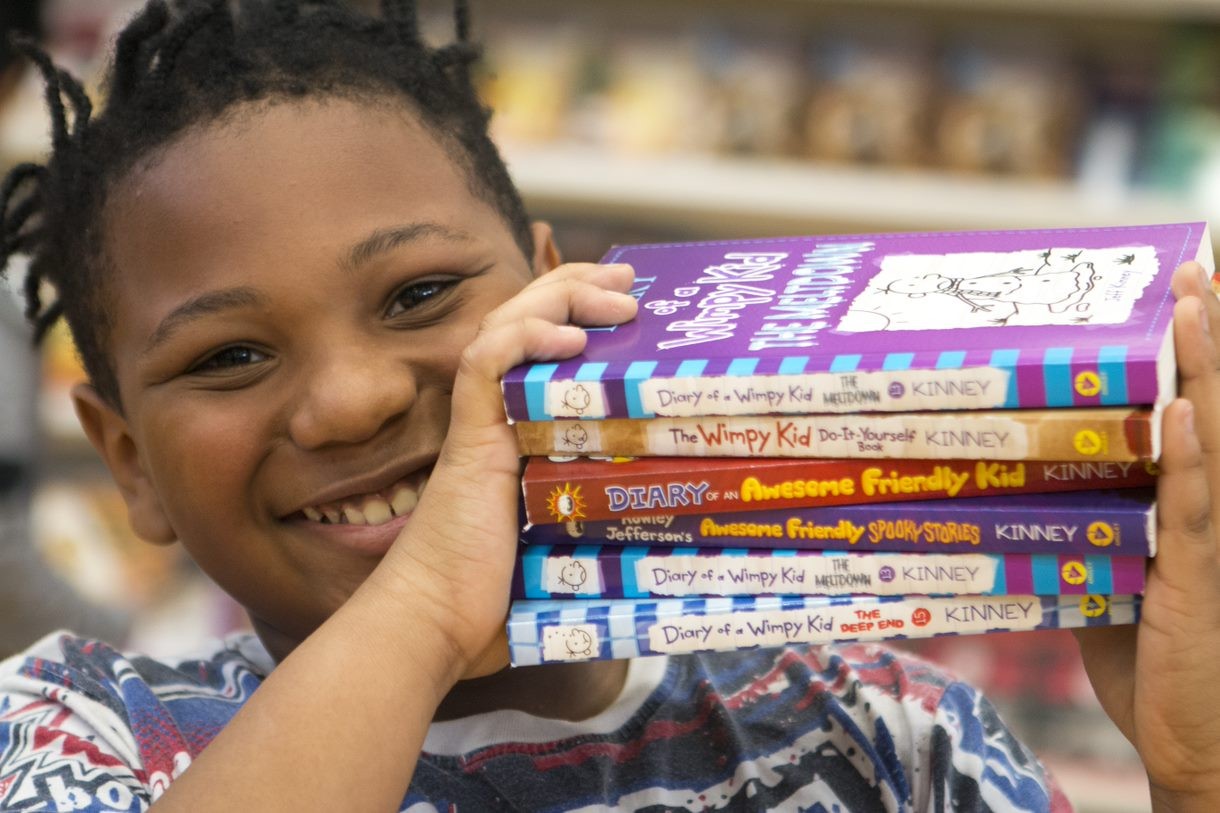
column 1002, row 294
column 575, row 436
column 573, row 575
column 1047, row 287
column 579, row 644
column 577, row 399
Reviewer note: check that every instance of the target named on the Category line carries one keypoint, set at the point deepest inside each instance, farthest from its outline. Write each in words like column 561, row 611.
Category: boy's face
column 290, row 297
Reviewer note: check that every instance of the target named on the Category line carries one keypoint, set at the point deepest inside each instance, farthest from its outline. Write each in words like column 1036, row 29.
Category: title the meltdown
column 795, row 314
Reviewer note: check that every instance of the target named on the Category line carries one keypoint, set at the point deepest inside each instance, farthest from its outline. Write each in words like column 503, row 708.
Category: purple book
column 880, row 323
column 1116, row 522
column 611, row 571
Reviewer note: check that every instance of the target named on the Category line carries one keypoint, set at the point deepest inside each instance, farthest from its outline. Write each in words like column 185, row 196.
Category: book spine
column 564, row 492
column 565, row 631
column 636, row 572
column 1008, row 525
column 1116, row 434
column 891, row 382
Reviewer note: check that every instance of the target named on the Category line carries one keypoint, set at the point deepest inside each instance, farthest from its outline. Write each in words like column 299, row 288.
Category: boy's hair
column 189, row 64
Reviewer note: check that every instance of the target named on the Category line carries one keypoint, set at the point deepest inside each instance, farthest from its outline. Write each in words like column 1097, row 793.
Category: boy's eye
column 417, row 294
column 230, row 358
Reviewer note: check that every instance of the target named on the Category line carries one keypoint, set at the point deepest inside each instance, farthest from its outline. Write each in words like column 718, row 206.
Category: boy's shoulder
column 86, row 664
column 72, row 706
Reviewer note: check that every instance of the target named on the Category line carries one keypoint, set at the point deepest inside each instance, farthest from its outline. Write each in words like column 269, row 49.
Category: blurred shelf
column 1158, row 9
column 1095, row 11
column 773, row 197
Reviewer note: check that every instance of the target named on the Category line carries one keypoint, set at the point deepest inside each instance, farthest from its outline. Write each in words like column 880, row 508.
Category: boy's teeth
column 377, row 511
column 403, row 501
column 373, row 509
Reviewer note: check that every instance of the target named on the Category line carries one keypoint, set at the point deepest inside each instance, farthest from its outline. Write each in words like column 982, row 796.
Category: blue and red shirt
column 84, row 727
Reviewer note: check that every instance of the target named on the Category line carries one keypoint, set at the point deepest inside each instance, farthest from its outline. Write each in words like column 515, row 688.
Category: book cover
column 557, row 631
column 593, row 571
column 1116, row 522
column 880, row 322
column 566, row 490
column 1101, row 434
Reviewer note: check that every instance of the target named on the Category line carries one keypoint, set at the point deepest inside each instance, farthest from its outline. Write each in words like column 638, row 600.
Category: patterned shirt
column 84, row 727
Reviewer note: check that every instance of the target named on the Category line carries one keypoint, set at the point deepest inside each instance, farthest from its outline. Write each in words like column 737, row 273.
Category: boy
column 296, row 270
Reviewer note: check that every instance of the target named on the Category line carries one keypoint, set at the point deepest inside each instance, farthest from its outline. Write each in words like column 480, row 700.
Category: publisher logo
column 1100, row 534
column 1088, row 384
column 896, row 390
column 1089, row 442
column 1092, row 606
column 886, row 573
column 921, row 617
column 1074, row 573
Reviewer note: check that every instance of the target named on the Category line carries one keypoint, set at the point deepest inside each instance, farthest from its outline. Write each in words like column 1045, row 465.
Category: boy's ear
column 107, row 430
column 546, row 253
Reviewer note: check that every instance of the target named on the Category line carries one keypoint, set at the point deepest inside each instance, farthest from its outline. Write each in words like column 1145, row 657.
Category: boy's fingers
column 1186, row 560
column 1199, row 381
column 1191, row 279
column 476, row 390
column 592, row 299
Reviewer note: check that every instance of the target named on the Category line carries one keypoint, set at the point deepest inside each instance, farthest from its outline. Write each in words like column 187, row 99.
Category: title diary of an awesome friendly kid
column 991, row 320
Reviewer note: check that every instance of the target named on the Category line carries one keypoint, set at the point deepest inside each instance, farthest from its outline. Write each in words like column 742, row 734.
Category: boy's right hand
column 1157, row 680
column 454, row 560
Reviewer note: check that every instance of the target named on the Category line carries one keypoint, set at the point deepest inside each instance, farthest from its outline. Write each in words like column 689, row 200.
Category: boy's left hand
column 1158, row 680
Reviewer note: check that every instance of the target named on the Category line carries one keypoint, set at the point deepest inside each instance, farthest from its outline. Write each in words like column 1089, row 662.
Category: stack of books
column 817, row 439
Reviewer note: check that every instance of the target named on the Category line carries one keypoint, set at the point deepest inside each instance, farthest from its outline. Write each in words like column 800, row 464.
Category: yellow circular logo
column 1088, row 383
column 1100, row 534
column 1092, row 606
column 1074, row 573
column 1088, row 442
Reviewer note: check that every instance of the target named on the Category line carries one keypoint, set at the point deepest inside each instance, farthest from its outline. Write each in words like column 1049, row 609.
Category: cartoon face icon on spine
column 573, row 576
column 575, row 436
column 576, row 399
column 579, row 644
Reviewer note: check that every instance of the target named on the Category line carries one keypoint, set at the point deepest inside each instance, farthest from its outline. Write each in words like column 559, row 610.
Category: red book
column 599, row 489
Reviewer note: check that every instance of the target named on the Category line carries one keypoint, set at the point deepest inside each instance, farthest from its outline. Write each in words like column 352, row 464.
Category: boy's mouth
column 374, row 508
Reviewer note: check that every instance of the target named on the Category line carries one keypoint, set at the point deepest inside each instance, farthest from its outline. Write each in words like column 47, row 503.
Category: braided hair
column 187, row 63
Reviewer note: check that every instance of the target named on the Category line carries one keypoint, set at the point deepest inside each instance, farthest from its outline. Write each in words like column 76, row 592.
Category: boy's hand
column 1158, row 680
column 458, row 551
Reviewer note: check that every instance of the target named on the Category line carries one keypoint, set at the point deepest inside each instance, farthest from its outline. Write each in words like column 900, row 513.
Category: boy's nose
column 349, row 400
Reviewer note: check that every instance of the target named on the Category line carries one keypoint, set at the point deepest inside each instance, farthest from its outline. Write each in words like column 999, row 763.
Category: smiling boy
column 296, row 271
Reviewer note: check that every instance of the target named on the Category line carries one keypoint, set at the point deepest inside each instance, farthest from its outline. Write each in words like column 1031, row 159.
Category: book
column 1106, row 433
column 1115, row 522
column 593, row 571
column 557, row 631
column 880, row 322
column 572, row 489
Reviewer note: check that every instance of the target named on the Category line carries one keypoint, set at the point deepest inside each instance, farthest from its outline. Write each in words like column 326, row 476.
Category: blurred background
column 641, row 120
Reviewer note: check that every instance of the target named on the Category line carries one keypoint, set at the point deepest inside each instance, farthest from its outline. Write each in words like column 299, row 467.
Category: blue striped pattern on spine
column 1043, row 574
column 605, row 629
column 1055, row 385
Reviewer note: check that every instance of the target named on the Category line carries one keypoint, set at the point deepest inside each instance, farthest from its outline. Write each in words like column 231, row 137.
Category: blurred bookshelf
column 767, row 196
column 789, row 116
column 1156, row 9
